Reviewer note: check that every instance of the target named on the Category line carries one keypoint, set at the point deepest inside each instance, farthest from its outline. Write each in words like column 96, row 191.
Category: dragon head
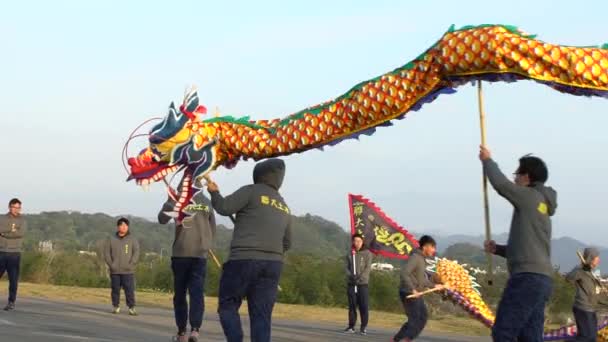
column 182, row 141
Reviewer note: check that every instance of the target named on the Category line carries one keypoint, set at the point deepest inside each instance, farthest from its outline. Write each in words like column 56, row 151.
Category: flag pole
column 355, row 267
column 486, row 201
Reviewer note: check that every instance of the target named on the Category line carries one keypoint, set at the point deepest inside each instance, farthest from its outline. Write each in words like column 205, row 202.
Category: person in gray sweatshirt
column 589, row 295
column 193, row 240
column 262, row 235
column 414, row 280
column 122, row 254
column 358, row 278
column 521, row 310
column 12, row 230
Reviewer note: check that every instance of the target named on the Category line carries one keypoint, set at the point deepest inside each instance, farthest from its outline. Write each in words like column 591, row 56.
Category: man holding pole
column 521, row 310
column 192, row 243
column 358, row 268
column 413, row 282
column 262, row 235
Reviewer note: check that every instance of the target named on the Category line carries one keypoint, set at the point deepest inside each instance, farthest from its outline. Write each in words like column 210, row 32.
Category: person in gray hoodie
column 521, row 310
column 193, row 240
column 262, row 235
column 589, row 295
column 359, row 280
column 12, row 230
column 122, row 254
column 414, row 280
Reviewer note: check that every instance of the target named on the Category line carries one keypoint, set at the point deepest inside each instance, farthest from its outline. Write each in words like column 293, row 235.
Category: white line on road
column 74, row 337
column 3, row 321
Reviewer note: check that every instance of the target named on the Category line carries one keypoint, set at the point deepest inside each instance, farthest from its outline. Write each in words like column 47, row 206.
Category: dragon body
column 463, row 292
column 185, row 140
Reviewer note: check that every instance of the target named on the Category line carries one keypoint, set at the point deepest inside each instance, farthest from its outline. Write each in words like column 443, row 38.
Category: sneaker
column 193, row 336
column 132, row 312
column 363, row 332
column 180, row 337
column 9, row 307
column 349, row 331
column 116, row 310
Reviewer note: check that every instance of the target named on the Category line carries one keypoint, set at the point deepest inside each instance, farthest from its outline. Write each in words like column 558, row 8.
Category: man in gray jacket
column 414, row 280
column 122, row 254
column 193, row 240
column 12, row 229
column 521, row 312
column 358, row 279
column 589, row 294
column 262, row 235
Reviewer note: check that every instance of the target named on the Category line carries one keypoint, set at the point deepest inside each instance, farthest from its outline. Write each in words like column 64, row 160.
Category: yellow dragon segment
column 184, row 140
column 462, row 293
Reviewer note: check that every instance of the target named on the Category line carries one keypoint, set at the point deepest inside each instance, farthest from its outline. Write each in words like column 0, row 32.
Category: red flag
column 381, row 235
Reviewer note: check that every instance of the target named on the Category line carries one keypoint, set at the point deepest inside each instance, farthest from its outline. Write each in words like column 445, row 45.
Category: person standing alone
column 121, row 255
column 358, row 278
column 12, row 230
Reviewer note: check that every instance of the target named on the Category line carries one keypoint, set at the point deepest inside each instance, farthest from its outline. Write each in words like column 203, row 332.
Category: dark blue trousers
column 359, row 300
column 257, row 280
column 417, row 316
column 125, row 282
column 9, row 263
column 521, row 311
column 189, row 277
column 586, row 325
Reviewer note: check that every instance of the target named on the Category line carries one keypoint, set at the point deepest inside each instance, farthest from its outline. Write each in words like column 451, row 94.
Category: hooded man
column 193, row 240
column 588, row 296
column 521, row 312
column 262, row 234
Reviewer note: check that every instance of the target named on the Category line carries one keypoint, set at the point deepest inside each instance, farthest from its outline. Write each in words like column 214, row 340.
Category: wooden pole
column 580, row 256
column 420, row 294
column 217, row 262
column 486, row 201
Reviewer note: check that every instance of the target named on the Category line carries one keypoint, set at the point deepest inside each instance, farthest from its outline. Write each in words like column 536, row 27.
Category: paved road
column 50, row 321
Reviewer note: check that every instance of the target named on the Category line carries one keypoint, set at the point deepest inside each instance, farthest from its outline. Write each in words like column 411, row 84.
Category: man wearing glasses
column 521, row 312
column 12, row 228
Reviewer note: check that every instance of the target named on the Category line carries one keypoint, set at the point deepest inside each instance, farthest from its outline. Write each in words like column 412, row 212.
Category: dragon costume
column 185, row 141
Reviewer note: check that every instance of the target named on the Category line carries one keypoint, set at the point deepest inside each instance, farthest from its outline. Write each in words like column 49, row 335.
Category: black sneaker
column 9, row 307
column 349, row 331
column 363, row 332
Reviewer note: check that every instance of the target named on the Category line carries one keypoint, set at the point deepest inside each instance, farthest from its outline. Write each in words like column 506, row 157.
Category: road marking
column 3, row 321
column 74, row 337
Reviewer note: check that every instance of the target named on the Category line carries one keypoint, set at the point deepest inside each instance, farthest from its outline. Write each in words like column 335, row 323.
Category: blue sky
column 78, row 76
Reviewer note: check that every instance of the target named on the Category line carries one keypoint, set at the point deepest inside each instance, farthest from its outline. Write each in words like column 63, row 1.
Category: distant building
column 87, row 253
column 382, row 267
column 45, row 246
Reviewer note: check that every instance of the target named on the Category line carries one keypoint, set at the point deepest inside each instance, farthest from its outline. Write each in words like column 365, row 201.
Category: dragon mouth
column 153, row 175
